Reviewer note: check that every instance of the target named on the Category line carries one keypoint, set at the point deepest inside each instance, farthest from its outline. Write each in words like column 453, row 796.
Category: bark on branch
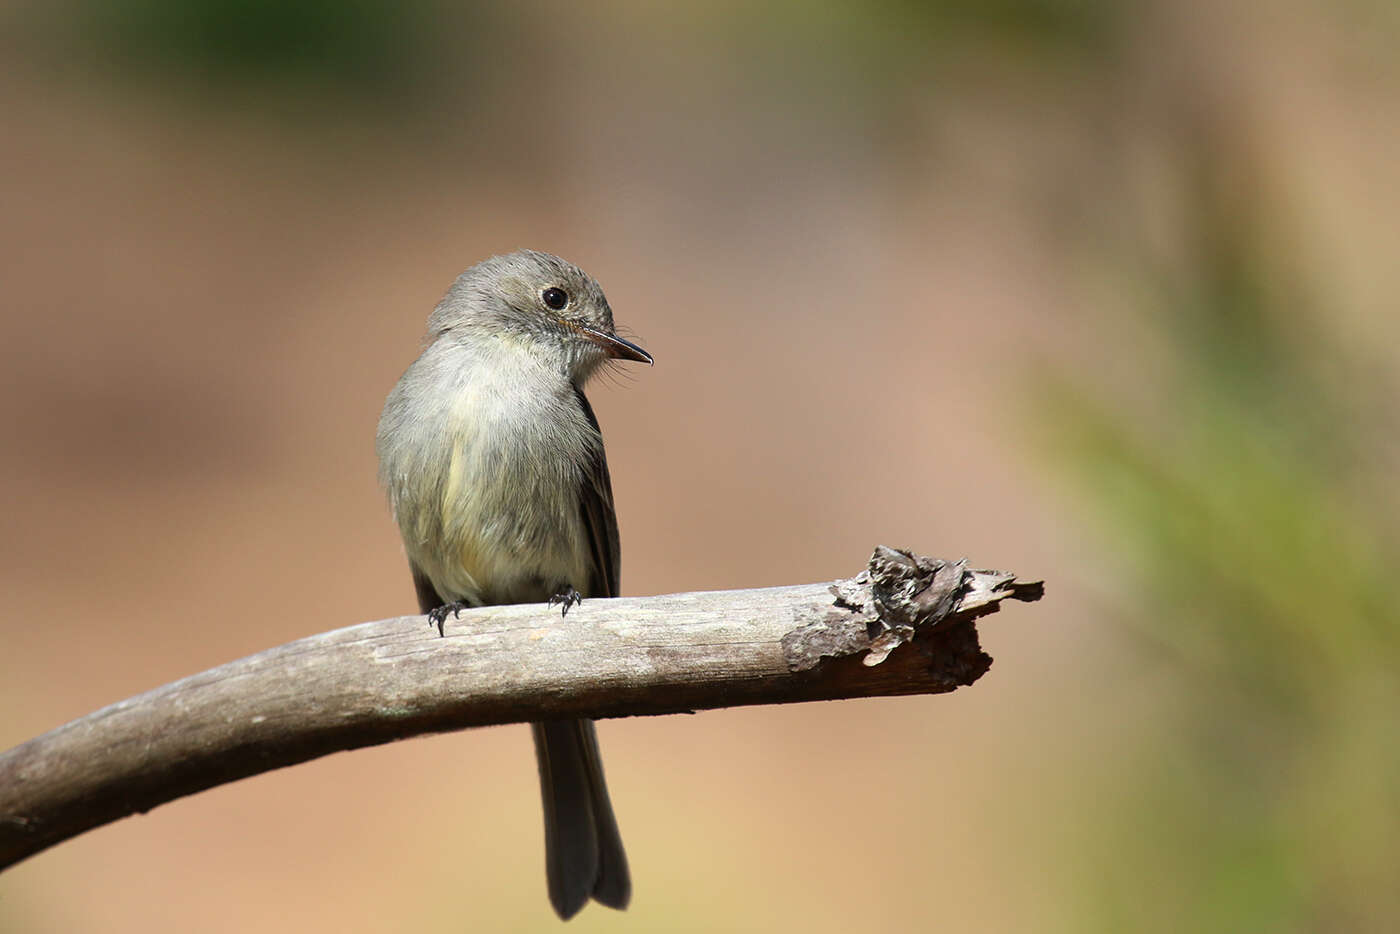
column 902, row 626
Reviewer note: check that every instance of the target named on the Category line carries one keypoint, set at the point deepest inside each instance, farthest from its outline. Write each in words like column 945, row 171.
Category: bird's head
column 539, row 301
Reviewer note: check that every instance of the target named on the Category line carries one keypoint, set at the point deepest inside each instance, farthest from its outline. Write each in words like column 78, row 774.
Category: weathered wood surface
column 903, row 626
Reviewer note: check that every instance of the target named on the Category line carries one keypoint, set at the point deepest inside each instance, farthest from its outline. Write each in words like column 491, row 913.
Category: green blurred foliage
column 418, row 54
column 850, row 50
column 884, row 26
column 1045, row 27
column 1267, row 796
column 365, row 48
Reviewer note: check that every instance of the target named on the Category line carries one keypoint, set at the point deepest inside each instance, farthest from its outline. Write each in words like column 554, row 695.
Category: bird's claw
column 438, row 617
column 566, row 599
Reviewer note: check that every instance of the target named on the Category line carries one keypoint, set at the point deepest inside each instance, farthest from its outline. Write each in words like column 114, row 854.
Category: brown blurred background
column 1144, row 253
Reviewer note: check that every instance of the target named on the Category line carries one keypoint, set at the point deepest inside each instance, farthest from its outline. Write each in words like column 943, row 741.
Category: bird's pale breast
column 487, row 496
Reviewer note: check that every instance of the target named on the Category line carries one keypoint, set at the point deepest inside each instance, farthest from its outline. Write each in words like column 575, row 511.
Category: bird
column 493, row 463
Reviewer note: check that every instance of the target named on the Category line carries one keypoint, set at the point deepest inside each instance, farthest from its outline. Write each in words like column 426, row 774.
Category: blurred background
column 1144, row 251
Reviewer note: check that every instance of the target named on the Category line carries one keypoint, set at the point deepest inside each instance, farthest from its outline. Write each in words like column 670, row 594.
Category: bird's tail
column 583, row 849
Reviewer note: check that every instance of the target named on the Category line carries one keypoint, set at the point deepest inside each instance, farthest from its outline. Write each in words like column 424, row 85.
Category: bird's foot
column 438, row 617
column 566, row 599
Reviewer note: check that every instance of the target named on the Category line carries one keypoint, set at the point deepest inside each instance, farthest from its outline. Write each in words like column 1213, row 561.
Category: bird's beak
column 616, row 347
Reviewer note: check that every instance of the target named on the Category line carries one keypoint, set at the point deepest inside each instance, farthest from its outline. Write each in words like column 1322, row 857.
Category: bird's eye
column 555, row 298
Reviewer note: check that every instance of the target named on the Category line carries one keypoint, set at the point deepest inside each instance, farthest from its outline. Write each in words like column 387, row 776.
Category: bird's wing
column 599, row 519
column 428, row 597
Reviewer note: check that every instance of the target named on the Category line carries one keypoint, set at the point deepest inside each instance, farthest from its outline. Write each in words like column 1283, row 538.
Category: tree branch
column 903, row 626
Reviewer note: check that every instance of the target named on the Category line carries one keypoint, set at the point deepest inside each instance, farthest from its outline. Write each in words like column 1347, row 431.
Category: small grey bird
column 494, row 466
